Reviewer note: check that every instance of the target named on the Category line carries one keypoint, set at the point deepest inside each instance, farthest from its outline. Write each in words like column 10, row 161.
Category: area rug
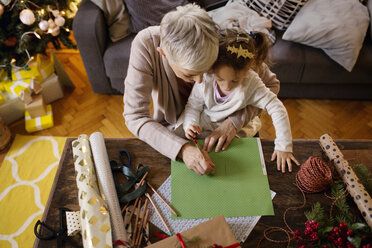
column 26, row 177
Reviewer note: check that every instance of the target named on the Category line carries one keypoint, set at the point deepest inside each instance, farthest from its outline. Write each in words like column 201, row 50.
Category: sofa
column 304, row 71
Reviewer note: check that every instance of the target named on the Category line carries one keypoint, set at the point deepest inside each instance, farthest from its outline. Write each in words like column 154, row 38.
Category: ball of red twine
column 314, row 176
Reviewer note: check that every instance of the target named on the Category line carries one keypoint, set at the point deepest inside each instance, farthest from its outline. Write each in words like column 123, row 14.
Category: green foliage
column 15, row 41
column 364, row 176
column 342, row 219
column 316, row 213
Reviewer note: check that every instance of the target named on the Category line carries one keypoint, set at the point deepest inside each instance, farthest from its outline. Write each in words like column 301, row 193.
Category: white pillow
column 336, row 26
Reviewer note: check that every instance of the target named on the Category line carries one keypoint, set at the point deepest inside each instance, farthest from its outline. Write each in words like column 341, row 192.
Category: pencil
column 136, row 222
column 131, row 214
column 144, row 226
column 142, row 220
column 143, row 178
column 161, row 198
column 158, row 212
column 124, row 208
column 197, row 146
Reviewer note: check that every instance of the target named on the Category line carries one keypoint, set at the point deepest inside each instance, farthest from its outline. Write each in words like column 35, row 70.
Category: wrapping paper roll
column 107, row 185
column 94, row 216
column 360, row 195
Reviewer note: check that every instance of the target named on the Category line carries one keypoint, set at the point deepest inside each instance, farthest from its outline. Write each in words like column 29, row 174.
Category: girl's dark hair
column 256, row 43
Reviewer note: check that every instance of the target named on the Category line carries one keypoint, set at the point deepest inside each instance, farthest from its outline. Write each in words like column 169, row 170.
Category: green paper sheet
column 239, row 186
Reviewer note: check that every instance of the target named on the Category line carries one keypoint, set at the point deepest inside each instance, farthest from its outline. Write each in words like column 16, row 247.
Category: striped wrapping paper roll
column 107, row 185
column 94, row 216
column 360, row 195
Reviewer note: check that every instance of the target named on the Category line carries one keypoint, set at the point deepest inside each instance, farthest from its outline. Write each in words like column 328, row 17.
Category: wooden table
column 65, row 189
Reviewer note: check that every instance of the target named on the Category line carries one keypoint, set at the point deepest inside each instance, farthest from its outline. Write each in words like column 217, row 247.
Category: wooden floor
column 82, row 111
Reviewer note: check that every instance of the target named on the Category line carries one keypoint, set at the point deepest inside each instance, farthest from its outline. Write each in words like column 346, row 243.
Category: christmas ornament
column 27, row 17
column 1, row 9
column 51, row 23
column 44, row 25
column 5, row 2
column 60, row 21
column 55, row 31
column 55, row 12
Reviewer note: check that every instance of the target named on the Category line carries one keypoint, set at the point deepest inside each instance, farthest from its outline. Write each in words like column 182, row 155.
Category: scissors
column 60, row 235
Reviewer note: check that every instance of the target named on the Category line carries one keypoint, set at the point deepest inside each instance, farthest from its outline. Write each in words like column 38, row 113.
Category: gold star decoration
column 240, row 52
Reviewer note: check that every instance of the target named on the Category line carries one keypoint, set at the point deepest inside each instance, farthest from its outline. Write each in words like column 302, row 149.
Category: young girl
column 233, row 86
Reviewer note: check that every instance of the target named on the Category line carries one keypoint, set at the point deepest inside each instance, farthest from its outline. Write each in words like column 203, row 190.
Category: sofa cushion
column 288, row 60
column 116, row 58
column 146, row 13
column 331, row 26
column 116, row 17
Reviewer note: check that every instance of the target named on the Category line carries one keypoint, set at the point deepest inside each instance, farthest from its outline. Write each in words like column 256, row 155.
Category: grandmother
column 165, row 61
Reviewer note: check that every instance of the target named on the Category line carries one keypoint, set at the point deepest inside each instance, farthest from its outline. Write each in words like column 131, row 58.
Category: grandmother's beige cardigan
column 149, row 77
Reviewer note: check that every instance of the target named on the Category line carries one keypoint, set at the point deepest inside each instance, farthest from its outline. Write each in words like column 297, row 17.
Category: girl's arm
column 265, row 99
column 194, row 106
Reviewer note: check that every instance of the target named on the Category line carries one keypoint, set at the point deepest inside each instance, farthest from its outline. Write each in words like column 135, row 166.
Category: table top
column 65, row 193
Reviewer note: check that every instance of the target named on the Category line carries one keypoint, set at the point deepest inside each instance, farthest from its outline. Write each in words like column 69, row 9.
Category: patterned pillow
column 280, row 12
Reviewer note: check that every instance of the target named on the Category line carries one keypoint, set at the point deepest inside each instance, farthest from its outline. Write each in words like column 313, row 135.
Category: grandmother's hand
column 223, row 135
column 196, row 160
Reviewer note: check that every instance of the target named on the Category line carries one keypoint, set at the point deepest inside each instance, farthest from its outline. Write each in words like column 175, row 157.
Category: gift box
column 37, row 107
column 213, row 233
column 39, row 68
column 52, row 89
column 39, row 123
column 12, row 109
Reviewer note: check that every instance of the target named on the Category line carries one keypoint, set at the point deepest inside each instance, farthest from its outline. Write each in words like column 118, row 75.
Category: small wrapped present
column 12, row 109
column 40, row 68
column 213, row 233
column 37, row 107
column 26, row 97
column 39, row 123
column 52, row 89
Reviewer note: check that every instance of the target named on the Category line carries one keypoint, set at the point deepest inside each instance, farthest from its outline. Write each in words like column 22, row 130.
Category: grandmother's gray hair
column 189, row 38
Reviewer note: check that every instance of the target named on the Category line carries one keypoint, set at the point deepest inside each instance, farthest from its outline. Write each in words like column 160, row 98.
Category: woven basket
column 280, row 12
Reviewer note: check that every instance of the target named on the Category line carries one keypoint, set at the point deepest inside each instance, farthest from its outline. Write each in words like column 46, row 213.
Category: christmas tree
column 27, row 27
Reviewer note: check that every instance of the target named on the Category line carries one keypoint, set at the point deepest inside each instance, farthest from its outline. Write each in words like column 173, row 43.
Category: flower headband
column 241, row 52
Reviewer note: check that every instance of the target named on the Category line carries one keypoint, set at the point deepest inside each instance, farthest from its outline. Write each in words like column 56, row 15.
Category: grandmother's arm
column 137, row 99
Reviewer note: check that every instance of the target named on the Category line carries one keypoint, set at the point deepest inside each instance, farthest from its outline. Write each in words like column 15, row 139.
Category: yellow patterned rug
column 26, row 177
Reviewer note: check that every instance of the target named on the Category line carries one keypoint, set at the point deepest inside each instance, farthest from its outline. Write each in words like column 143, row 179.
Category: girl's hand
column 283, row 158
column 223, row 135
column 192, row 131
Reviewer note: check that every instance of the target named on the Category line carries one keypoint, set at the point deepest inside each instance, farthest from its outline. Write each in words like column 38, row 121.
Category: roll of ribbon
column 94, row 216
column 360, row 195
column 107, row 185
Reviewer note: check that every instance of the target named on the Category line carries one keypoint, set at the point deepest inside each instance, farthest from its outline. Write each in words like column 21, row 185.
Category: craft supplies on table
column 240, row 178
column 241, row 226
column 358, row 192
